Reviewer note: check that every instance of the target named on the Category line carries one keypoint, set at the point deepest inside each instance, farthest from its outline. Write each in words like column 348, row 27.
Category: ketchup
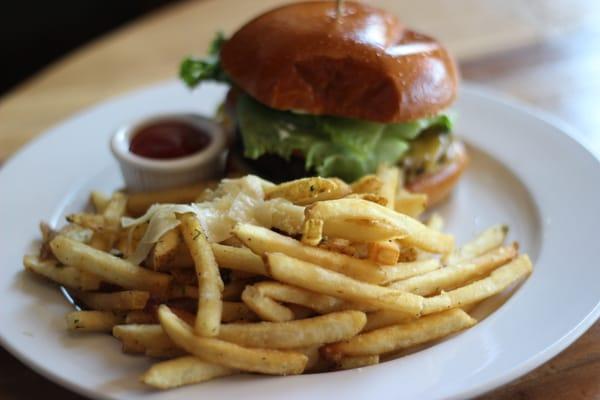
column 167, row 139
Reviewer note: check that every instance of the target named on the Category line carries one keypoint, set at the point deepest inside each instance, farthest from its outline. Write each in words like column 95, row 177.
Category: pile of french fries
column 357, row 280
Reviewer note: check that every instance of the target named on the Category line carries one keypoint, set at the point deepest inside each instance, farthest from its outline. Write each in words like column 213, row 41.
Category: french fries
column 389, row 177
column 411, row 204
column 487, row 240
column 108, row 267
column 405, row 270
column 265, row 307
column 62, row 274
column 319, row 275
column 329, row 328
column 93, row 321
column 498, row 280
column 183, row 371
column 261, row 241
column 356, row 362
column 143, row 338
column 210, row 285
column 99, row 201
column 266, row 361
column 239, row 259
column 308, row 190
column 312, row 232
column 367, row 184
column 386, row 252
column 320, row 303
column 401, row 336
column 454, row 275
column 114, row 301
column 359, row 220
column 309, row 276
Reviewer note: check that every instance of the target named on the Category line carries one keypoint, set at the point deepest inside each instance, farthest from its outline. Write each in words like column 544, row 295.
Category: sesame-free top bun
column 364, row 64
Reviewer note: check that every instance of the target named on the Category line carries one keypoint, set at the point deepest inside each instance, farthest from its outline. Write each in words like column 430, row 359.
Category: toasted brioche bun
column 363, row 65
column 437, row 185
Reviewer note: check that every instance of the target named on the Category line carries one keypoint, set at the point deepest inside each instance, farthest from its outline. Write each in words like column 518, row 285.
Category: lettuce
column 331, row 146
column 194, row 70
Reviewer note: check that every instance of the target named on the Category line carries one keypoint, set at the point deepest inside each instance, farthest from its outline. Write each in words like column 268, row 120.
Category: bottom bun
column 439, row 184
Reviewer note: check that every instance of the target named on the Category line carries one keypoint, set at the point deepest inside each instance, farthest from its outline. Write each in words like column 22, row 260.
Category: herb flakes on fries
column 311, row 275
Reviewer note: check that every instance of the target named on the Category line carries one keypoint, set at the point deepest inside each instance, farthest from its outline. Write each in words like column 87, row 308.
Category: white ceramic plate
column 526, row 171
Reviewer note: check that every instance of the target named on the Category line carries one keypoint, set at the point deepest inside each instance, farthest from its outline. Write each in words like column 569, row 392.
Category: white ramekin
column 146, row 174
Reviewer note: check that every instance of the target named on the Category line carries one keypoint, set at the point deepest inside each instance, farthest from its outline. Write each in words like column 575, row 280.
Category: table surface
column 544, row 52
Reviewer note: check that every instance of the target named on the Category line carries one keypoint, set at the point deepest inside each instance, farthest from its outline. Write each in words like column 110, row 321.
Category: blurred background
column 35, row 35
column 63, row 55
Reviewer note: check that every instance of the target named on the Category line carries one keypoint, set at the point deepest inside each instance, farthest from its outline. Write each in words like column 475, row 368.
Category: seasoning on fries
column 311, row 275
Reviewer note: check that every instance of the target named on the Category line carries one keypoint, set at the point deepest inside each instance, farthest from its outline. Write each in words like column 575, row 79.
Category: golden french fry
column 405, row 270
column 359, row 220
column 281, row 214
column 114, row 211
column 312, row 277
column 266, row 361
column 99, row 200
column 294, row 295
column 138, row 203
column 367, row 184
column 144, row 337
column 312, row 232
column 498, row 280
column 455, row 275
column 339, row 246
column 62, row 274
column 93, row 321
column 356, row 362
column 312, row 352
column 401, row 336
column 384, row 252
column 323, row 329
column 487, row 240
column 375, row 198
column 308, row 190
column 183, row 371
column 408, row 253
column 100, row 242
column 261, row 240
column 108, row 267
column 94, row 222
column 382, row 318
column 411, row 204
column 210, row 285
column 265, row 307
column 239, row 259
column 389, row 177
column 115, row 301
column 165, row 250
column 436, row 222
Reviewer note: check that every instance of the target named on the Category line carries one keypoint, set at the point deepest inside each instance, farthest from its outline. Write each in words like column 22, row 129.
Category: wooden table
column 558, row 72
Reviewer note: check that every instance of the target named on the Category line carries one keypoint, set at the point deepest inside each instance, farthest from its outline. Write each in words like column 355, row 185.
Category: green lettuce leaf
column 194, row 70
column 332, row 146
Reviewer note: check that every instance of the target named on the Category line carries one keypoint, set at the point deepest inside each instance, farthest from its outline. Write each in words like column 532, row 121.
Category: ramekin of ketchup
column 169, row 150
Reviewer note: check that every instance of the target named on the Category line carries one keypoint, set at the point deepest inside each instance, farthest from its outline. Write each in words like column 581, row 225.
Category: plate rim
column 486, row 385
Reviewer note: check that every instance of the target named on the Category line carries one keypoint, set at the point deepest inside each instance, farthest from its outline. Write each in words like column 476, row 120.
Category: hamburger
column 317, row 90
